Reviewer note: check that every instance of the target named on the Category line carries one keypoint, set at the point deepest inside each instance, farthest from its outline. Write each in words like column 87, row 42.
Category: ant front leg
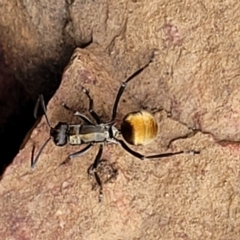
column 77, row 154
column 92, row 112
column 77, row 113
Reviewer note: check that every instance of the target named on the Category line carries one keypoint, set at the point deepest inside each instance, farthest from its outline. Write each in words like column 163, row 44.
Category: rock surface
column 194, row 76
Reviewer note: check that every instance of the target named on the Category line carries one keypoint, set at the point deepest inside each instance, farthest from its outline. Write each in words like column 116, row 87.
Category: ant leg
column 161, row 155
column 92, row 170
column 129, row 150
column 92, row 112
column 122, row 88
column 103, row 174
column 99, row 182
column 77, row 154
column 98, row 157
column 76, row 113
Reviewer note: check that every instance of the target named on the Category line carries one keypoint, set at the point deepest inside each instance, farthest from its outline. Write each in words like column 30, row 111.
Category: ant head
column 59, row 134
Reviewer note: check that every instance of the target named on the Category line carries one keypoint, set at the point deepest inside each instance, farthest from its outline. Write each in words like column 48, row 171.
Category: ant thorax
column 78, row 134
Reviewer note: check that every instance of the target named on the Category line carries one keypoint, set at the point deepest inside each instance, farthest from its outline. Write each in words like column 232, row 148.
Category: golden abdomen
column 139, row 128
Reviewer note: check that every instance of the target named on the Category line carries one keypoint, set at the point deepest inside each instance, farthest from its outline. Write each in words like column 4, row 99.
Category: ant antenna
column 40, row 101
column 34, row 162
